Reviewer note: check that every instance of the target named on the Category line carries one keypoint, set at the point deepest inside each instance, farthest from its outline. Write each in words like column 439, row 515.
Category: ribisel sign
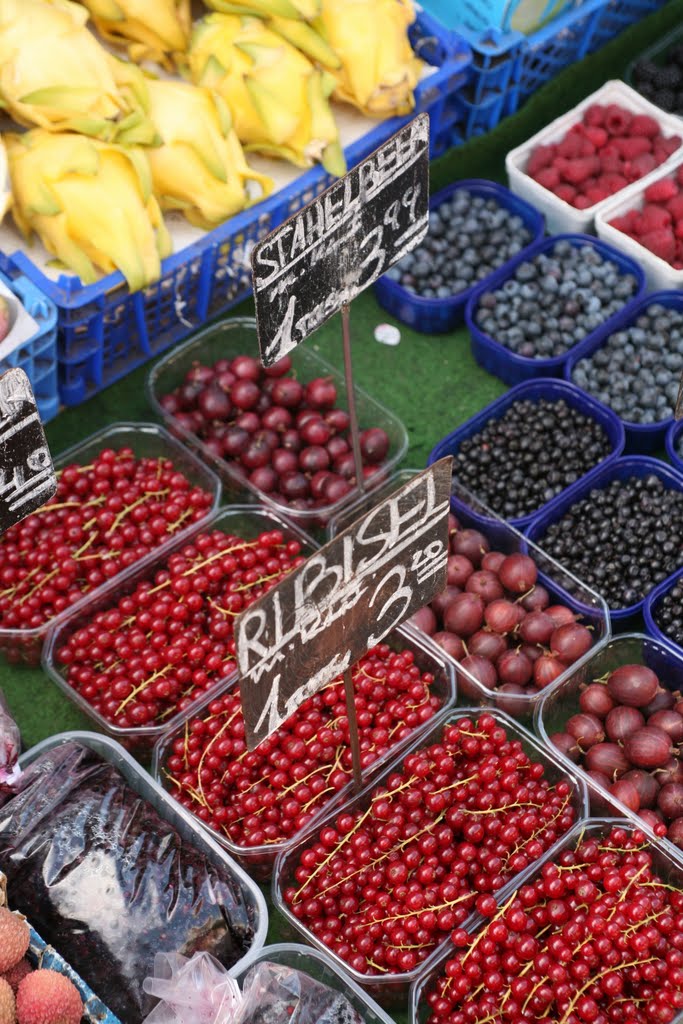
column 342, row 601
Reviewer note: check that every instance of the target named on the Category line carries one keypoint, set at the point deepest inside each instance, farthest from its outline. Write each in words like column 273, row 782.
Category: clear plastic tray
column 244, row 521
column 561, row 584
column 148, row 440
column 668, row 869
column 394, row 987
column 259, row 860
column 237, row 336
column 562, row 216
column 139, row 780
column 558, row 706
column 319, row 966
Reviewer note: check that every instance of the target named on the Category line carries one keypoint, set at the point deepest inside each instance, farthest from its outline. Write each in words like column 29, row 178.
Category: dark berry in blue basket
column 622, row 539
column 469, row 237
column 668, row 613
column 554, row 301
column 524, row 459
column 637, row 371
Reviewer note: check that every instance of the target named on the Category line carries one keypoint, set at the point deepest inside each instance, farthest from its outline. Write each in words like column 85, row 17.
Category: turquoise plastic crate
column 105, row 331
column 41, row 955
column 37, row 356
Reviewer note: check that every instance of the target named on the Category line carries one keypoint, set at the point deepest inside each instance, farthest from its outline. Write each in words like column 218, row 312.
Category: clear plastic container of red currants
column 590, row 933
column 256, row 804
column 125, row 494
column 509, row 637
column 618, row 720
column 279, row 435
column 344, row 885
column 321, row 968
column 155, row 642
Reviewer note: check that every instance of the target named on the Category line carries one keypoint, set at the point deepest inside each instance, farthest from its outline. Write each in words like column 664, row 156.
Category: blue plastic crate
column 618, row 15
column 651, row 602
column 513, row 368
column 37, row 356
column 41, row 955
column 105, row 331
column 621, row 469
column 641, row 438
column 559, row 44
column 438, row 316
column 534, row 391
column 673, row 436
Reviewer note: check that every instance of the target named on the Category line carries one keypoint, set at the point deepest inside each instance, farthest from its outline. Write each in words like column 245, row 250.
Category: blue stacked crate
column 37, row 356
column 618, row 15
column 40, row 955
column 105, row 331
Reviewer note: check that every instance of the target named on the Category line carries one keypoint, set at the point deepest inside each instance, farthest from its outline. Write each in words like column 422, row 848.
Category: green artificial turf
column 431, row 383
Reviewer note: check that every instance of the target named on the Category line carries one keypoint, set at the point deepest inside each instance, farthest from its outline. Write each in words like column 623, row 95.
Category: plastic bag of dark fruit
column 107, row 880
column 273, row 993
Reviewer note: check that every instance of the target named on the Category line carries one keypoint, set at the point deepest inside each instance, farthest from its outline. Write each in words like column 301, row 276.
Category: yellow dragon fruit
column 55, row 74
column 294, row 20
column 278, row 100
column 200, row 167
column 90, row 203
column 379, row 69
column 150, row 29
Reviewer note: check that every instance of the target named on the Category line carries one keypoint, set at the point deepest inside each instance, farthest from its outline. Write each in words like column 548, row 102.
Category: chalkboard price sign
column 339, row 244
column 27, row 476
column 342, row 601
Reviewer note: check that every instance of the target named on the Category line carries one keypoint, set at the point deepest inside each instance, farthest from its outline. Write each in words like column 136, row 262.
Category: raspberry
column 672, row 144
column 645, row 126
column 587, row 148
column 624, row 223
column 597, row 194
column 576, row 171
column 598, row 136
column 611, row 160
column 629, row 149
column 662, row 243
column 541, row 157
column 594, row 116
column 570, row 147
column 660, row 191
column 566, row 193
column 641, row 166
column 582, row 202
column 652, row 219
column 617, row 120
column 612, row 182
column 678, row 231
column 675, row 207
column 548, row 177
column 679, row 175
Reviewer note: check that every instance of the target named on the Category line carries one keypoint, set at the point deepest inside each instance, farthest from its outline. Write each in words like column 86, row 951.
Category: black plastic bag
column 110, row 883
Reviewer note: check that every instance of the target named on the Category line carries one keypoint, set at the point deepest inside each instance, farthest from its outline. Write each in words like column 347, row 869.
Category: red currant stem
column 42, row 583
column 622, row 895
column 332, row 853
column 224, row 611
column 12, row 590
column 402, row 917
column 497, row 810
column 138, row 689
column 482, row 934
column 455, row 785
column 138, row 501
column 172, row 527
column 73, row 504
column 330, row 789
column 258, row 582
column 198, row 566
column 646, row 920
column 592, row 981
column 546, row 825
column 207, row 748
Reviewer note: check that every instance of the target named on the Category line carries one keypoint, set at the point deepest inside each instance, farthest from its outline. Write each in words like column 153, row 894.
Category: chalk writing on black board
column 27, row 475
column 339, row 244
column 342, row 601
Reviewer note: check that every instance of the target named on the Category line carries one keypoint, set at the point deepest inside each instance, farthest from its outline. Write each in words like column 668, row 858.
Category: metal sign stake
column 354, row 735
column 351, row 397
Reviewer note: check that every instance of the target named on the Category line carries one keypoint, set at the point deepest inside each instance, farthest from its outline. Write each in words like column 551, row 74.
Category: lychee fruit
column 7, row 1004
column 47, row 997
column 16, row 974
column 14, row 938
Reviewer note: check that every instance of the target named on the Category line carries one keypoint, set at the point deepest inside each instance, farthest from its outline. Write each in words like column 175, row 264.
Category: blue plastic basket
column 105, row 331
column 37, row 356
column 552, row 390
column 438, row 316
column 40, row 955
column 673, row 435
column 641, row 438
column 618, row 15
column 619, row 469
column 513, row 368
column 651, row 602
